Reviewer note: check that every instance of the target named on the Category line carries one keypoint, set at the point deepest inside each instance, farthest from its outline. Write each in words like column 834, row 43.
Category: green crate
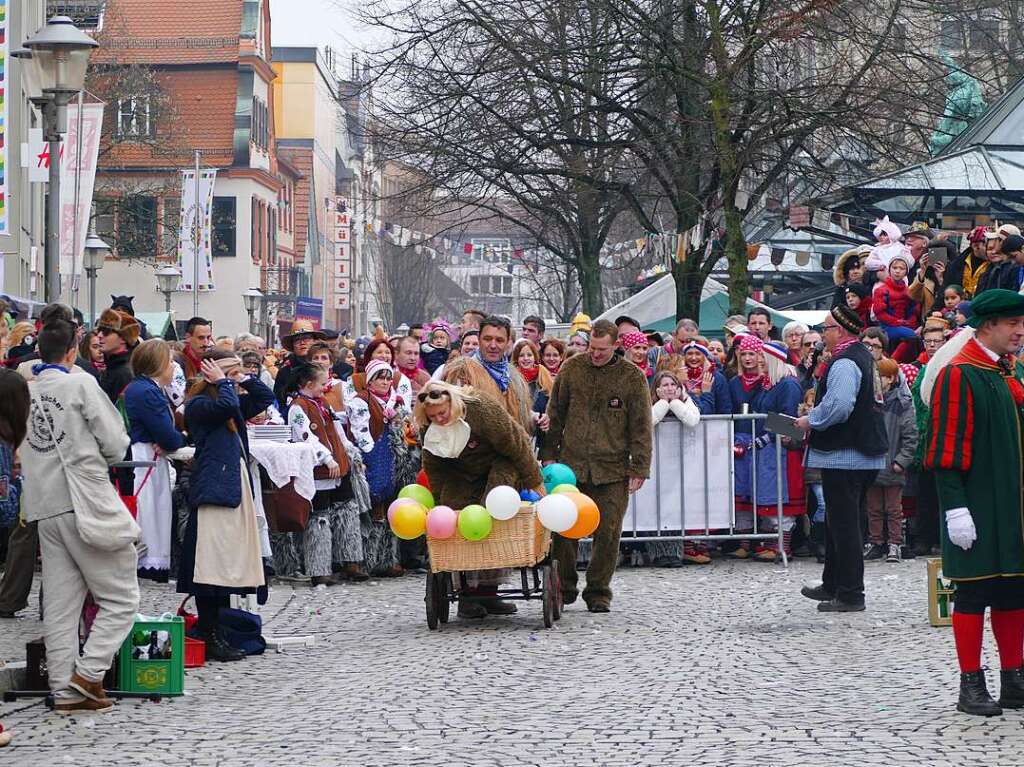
column 163, row 675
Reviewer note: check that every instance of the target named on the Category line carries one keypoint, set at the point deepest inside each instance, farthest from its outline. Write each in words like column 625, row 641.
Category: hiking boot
column 83, row 705
column 217, row 649
column 894, row 553
column 1011, row 688
column 473, row 610
column 599, row 605
column 873, row 551
column 817, row 593
column 766, row 555
column 974, row 697
column 695, row 555
column 740, row 552
column 839, row 606
column 92, row 690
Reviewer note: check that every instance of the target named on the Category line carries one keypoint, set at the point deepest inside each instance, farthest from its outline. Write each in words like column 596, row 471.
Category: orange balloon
column 589, row 516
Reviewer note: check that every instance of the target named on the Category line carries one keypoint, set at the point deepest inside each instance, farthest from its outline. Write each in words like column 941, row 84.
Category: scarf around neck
column 530, row 374
column 497, row 370
column 751, row 380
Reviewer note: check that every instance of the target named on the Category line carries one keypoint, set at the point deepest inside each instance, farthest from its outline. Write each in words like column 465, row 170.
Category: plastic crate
column 138, row 672
column 195, row 653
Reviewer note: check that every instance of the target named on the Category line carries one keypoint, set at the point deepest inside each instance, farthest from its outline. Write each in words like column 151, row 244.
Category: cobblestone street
column 717, row 665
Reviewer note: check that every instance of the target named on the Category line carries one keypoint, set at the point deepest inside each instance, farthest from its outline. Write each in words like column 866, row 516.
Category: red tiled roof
column 147, row 32
column 200, row 115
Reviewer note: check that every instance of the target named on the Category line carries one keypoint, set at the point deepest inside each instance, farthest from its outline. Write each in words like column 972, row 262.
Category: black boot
column 1011, row 688
column 974, row 697
column 218, row 649
column 817, row 593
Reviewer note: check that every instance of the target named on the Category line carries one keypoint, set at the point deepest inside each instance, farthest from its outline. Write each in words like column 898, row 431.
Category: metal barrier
column 663, row 510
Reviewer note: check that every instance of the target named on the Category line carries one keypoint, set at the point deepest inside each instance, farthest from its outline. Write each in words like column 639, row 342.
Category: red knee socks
column 967, row 632
column 1008, row 626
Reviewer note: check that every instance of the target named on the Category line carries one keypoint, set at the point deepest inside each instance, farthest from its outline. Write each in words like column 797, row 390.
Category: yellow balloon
column 409, row 521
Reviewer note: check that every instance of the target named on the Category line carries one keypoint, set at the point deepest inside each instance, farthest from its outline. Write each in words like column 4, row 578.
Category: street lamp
column 53, row 74
column 252, row 298
column 167, row 280
column 95, row 254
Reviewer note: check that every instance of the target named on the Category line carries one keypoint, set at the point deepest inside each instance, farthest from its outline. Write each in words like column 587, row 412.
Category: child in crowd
column 435, row 353
column 963, row 313
column 858, row 298
column 884, row 497
column 896, row 311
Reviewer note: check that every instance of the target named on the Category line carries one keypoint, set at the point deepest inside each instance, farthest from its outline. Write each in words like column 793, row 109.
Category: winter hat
column 375, row 368
column 120, row 322
column 977, row 234
column 902, row 255
column 888, row 367
column 775, row 350
column 847, row 318
column 699, row 347
column 859, row 289
column 994, row 304
column 124, row 303
column 885, row 226
column 1012, row 244
column 629, row 340
column 964, row 308
column 1008, row 230
column 750, row 343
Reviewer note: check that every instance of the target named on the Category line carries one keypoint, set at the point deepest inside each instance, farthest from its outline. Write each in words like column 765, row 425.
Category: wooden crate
column 940, row 595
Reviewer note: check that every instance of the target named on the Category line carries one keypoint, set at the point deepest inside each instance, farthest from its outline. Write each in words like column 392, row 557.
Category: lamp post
column 252, row 298
column 95, row 254
column 53, row 74
column 167, row 279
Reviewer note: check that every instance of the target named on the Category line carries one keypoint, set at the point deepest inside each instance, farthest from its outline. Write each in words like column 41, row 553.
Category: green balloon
column 474, row 523
column 565, row 488
column 419, row 494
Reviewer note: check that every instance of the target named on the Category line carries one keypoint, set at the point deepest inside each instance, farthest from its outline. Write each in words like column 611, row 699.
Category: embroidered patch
column 615, row 403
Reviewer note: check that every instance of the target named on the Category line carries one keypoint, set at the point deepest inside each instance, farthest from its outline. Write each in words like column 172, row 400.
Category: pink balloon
column 441, row 522
column 395, row 504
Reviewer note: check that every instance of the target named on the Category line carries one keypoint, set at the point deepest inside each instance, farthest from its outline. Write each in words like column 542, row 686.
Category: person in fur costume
column 848, row 270
column 470, row 446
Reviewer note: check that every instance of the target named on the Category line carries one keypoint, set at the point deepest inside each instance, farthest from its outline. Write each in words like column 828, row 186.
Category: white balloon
column 503, row 502
column 557, row 512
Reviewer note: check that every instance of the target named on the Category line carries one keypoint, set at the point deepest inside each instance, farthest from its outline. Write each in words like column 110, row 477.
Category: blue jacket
column 718, row 401
column 784, row 398
column 217, row 477
column 149, row 415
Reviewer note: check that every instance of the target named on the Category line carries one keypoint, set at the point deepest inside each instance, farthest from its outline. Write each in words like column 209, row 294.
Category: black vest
column 864, row 430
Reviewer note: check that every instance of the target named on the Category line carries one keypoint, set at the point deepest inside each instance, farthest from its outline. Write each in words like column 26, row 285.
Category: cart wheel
column 430, row 600
column 548, row 599
column 556, row 581
column 444, row 603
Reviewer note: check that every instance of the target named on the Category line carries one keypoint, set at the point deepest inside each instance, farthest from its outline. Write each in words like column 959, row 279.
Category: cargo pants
column 612, row 500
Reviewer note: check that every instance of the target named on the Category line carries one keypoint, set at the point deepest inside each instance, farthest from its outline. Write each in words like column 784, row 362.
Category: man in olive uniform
column 600, row 414
column 974, row 448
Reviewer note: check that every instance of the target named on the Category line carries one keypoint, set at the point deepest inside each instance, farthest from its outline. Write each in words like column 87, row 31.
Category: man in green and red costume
column 974, row 448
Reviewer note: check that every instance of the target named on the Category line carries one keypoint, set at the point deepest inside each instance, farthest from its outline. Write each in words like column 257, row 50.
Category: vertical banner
column 4, row 89
column 196, row 217
column 81, row 149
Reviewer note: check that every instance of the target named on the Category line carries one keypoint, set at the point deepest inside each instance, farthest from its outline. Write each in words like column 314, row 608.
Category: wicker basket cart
column 519, row 543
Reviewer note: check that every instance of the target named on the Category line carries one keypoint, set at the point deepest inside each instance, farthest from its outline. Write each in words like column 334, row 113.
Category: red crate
column 195, row 653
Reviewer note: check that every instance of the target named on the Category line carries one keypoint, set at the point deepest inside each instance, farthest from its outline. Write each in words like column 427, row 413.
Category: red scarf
column 750, row 380
column 694, row 379
column 529, row 374
column 191, row 357
column 842, row 346
column 322, row 408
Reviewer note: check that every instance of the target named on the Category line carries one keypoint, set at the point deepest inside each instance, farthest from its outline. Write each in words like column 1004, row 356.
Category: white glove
column 960, row 527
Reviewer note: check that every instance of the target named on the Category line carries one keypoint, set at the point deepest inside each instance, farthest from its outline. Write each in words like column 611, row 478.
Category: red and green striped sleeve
column 952, row 422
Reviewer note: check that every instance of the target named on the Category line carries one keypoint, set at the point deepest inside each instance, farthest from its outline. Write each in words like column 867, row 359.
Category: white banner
column 77, row 179
column 196, row 217
column 685, row 491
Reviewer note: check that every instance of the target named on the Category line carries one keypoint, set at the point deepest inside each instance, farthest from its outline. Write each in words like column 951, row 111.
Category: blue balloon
column 529, row 496
column 557, row 474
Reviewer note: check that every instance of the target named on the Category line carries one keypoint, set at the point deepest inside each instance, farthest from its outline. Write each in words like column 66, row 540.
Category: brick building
column 178, row 78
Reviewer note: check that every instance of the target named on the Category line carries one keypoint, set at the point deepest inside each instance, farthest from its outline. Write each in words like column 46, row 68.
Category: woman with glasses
column 470, row 446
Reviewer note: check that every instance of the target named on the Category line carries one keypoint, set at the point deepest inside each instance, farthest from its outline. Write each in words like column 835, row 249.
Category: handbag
column 101, row 518
column 242, row 630
column 286, row 510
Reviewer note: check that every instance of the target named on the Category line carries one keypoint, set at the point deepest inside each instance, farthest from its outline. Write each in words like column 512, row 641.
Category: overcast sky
column 319, row 23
